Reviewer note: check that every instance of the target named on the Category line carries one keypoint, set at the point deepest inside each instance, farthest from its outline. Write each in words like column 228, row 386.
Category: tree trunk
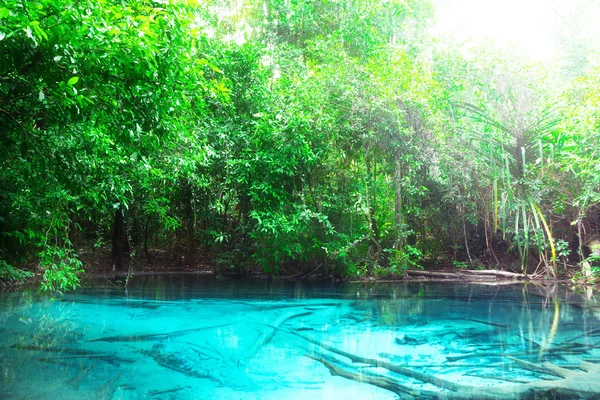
column 374, row 248
column 117, row 235
column 146, row 238
column 398, row 204
column 371, row 207
column 244, row 209
column 188, row 212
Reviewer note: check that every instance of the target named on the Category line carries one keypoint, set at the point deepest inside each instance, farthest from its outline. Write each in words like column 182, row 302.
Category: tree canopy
column 339, row 136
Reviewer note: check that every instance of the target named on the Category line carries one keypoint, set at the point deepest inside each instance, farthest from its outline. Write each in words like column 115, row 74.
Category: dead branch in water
column 570, row 383
column 269, row 332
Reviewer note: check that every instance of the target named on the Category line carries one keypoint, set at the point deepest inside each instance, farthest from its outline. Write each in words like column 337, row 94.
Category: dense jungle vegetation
column 337, row 136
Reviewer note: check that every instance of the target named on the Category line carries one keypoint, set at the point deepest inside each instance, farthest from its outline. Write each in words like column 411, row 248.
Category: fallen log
column 466, row 275
column 382, row 364
column 75, row 382
column 80, row 352
column 152, row 336
column 497, row 378
column 106, row 391
column 457, row 279
column 268, row 334
column 592, row 332
column 495, row 324
column 571, row 383
column 567, row 348
column 416, row 272
column 494, row 272
column 161, row 392
column 167, row 355
column 100, row 356
column 373, row 379
column 298, row 306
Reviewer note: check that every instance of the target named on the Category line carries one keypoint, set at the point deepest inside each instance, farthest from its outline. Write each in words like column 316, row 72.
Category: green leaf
column 40, row 32
column 4, row 13
column 214, row 67
column 73, row 81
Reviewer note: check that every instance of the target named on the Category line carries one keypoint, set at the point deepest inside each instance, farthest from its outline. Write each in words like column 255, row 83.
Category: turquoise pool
column 193, row 337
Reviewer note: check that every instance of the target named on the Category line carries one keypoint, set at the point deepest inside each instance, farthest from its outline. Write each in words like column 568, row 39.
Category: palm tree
column 510, row 139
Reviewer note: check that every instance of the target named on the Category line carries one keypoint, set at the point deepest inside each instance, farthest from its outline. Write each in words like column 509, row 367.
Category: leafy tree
column 312, row 135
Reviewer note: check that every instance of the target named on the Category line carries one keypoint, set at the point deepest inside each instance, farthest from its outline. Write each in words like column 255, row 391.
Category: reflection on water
column 198, row 338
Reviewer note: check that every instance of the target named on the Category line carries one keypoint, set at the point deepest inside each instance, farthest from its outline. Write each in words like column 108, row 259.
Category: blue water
column 186, row 337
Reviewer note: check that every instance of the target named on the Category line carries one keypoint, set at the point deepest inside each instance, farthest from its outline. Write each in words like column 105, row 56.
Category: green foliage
column 61, row 269
column 460, row 264
column 562, row 248
column 406, row 258
column 286, row 133
column 593, row 259
column 10, row 273
column 357, row 271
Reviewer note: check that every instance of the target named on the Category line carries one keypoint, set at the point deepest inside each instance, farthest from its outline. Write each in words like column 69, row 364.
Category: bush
column 405, row 258
column 62, row 268
column 10, row 273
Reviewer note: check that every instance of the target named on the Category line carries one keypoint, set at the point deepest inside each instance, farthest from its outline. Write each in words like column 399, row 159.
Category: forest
column 336, row 137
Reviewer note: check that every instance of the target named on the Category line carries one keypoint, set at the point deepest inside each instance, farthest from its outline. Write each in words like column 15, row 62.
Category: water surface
column 187, row 337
